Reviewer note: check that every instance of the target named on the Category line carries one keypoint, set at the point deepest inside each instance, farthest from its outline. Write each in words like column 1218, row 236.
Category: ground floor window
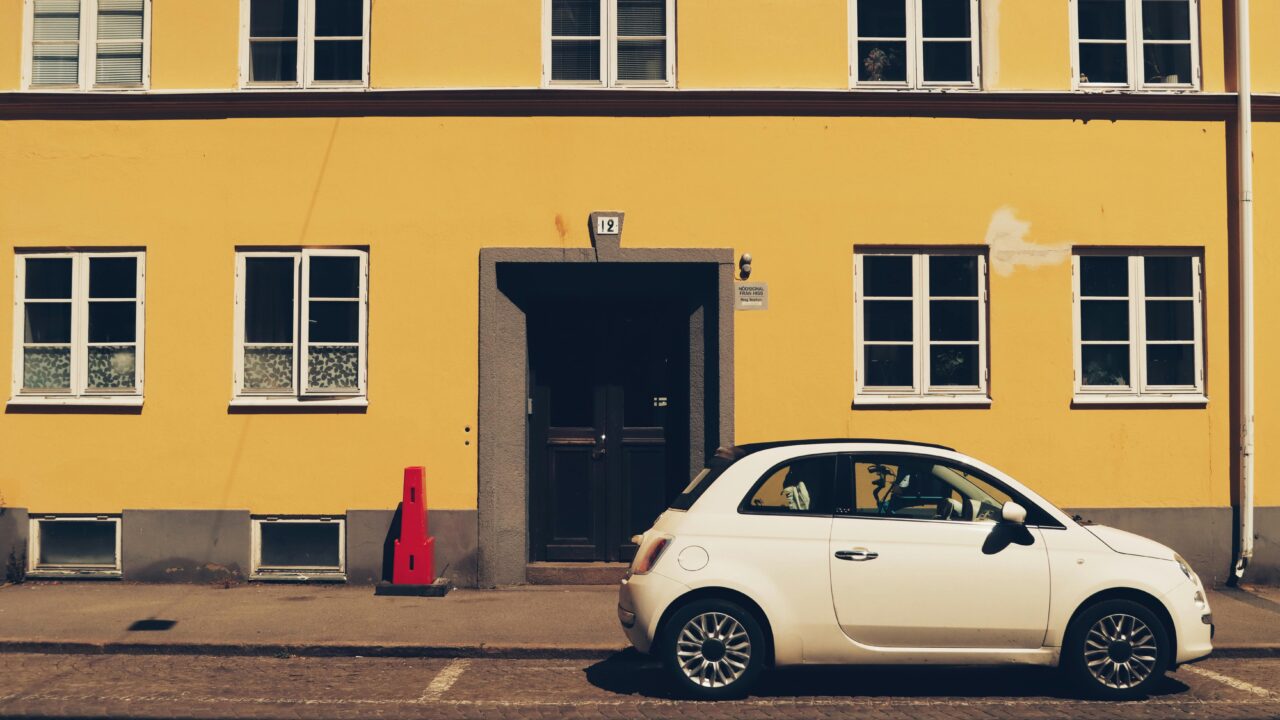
column 299, row 547
column 74, row 545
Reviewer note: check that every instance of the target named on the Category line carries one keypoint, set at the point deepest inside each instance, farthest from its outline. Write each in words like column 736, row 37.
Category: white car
column 882, row 552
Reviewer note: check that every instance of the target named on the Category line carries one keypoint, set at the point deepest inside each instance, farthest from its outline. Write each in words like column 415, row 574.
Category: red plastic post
column 414, row 557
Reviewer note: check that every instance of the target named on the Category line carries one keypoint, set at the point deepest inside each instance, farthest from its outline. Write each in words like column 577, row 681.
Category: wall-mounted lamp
column 744, row 266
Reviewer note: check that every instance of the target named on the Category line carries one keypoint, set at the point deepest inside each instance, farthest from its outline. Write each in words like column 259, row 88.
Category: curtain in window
column 55, row 52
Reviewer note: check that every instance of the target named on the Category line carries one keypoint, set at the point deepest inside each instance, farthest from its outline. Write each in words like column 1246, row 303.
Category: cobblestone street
column 625, row 685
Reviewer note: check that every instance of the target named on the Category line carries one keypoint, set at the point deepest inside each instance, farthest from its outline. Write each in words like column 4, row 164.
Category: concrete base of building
column 184, row 545
column 371, row 536
column 575, row 573
column 13, row 542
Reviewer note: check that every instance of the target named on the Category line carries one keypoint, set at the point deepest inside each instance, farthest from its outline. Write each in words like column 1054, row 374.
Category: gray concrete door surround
column 502, row 426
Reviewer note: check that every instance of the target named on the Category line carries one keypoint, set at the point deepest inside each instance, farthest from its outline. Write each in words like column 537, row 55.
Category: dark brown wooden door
column 606, row 403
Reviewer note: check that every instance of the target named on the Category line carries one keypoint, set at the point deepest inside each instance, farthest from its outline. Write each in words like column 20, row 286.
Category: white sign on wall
column 752, row 296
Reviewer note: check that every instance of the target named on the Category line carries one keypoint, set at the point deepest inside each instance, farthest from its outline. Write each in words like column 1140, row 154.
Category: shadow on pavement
column 630, row 673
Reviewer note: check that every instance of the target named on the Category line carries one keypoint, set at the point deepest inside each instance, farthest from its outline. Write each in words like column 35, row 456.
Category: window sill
column 299, row 576
column 1118, row 400
column 294, row 404
column 925, row 89
column 48, row 574
column 917, row 401
column 82, row 401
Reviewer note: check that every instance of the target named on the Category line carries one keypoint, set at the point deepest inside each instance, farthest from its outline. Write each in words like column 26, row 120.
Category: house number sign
column 608, row 225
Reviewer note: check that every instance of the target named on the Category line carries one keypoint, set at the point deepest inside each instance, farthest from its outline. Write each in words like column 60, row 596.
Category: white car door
column 920, row 559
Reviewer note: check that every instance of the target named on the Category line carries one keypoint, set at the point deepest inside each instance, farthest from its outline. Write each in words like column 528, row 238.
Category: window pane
column 289, row 544
column 119, row 64
column 1104, row 276
column 335, row 277
column 268, row 306
column 335, row 368
column 112, row 367
column 339, row 18
column 1104, row 319
column 1102, row 19
column 886, row 276
column 953, row 275
column 56, row 20
column 803, row 487
column 1103, row 63
column 953, row 320
column 889, row 366
column 642, row 60
column 947, row 62
column 1166, row 20
column 1167, row 276
column 882, row 18
column 575, row 60
column 1171, row 365
column 112, row 322
column 1105, row 365
column 273, row 61
column 46, row 368
column 882, row 61
column 642, row 17
column 334, row 321
column 945, row 18
column 48, row 279
column 269, row 368
column 1170, row 320
column 953, row 365
column 48, row 323
column 113, row 277
column 338, row 60
column 120, row 19
column 55, row 65
column 273, row 18
column 77, row 542
column 575, row 17
column 888, row 320
column 1167, row 64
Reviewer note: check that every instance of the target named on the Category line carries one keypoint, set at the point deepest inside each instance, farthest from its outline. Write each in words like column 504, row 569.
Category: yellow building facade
column 432, row 221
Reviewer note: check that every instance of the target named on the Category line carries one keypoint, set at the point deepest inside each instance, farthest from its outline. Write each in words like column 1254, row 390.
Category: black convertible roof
column 748, row 448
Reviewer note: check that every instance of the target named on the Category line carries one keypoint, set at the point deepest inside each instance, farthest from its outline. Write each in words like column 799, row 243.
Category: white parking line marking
column 1228, row 681
column 444, row 680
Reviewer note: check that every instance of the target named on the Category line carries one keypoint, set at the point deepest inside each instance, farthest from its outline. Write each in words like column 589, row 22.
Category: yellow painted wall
column 10, row 44
column 1026, row 45
column 1266, row 152
column 1265, row 15
column 427, row 193
column 195, row 44
column 762, row 44
column 447, row 43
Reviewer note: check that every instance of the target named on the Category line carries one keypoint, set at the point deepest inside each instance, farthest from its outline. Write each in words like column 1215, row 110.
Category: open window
column 299, row 548
column 62, row 545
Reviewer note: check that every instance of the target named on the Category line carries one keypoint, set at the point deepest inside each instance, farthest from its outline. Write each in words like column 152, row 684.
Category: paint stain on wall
column 1010, row 250
column 560, row 227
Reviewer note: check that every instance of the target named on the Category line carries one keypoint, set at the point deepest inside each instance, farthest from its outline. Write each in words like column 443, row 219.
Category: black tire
column 717, row 658
column 1113, row 670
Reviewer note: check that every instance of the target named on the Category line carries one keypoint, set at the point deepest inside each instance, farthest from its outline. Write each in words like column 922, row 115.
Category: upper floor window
column 78, row 328
column 301, row 325
column 914, row 43
column 1136, row 44
column 1139, row 328
column 305, row 43
column 920, row 328
column 609, row 43
column 87, row 44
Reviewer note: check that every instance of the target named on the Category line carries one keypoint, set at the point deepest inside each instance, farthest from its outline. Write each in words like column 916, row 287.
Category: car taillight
column 649, row 553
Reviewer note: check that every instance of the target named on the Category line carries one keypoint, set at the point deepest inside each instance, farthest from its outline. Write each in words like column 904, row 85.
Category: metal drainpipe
column 1245, row 164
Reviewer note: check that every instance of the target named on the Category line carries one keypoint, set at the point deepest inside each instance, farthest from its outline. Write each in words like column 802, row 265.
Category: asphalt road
column 624, row 685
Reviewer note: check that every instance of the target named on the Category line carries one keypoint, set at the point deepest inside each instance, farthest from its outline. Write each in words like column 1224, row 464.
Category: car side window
column 910, row 487
column 802, row 486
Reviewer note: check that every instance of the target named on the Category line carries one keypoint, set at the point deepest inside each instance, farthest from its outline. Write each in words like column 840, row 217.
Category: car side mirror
column 1013, row 513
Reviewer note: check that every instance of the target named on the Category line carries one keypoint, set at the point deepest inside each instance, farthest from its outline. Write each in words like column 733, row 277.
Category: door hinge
column 529, row 406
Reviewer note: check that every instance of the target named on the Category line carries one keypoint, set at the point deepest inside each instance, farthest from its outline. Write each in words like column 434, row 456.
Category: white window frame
column 87, row 74
column 1139, row 391
column 920, row 392
column 1133, row 43
column 608, row 51
column 300, row 394
column 34, row 569
column 79, row 393
column 915, row 52
column 258, row 571
column 305, row 72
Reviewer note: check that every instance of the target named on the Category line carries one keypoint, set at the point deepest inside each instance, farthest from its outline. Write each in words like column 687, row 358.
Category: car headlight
column 1185, row 568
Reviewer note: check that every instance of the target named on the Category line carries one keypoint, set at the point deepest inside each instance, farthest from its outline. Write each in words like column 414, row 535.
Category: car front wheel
column 713, row 649
column 1116, row 650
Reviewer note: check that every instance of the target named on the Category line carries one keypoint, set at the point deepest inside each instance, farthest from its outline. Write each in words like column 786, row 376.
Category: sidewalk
column 529, row 621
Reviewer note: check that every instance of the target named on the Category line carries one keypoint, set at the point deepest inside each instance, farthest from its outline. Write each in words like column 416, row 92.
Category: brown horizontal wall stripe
column 628, row 103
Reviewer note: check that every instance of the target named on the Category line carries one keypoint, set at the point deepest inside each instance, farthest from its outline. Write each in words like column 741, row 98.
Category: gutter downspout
column 1244, row 148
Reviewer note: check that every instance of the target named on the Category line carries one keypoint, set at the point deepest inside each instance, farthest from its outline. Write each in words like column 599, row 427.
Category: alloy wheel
column 1120, row 651
column 713, row 649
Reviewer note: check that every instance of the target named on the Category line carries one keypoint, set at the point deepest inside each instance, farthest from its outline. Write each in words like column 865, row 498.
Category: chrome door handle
column 858, row 555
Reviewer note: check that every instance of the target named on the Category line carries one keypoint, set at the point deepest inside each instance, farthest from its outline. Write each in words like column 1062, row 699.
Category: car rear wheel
column 713, row 649
column 1116, row 650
